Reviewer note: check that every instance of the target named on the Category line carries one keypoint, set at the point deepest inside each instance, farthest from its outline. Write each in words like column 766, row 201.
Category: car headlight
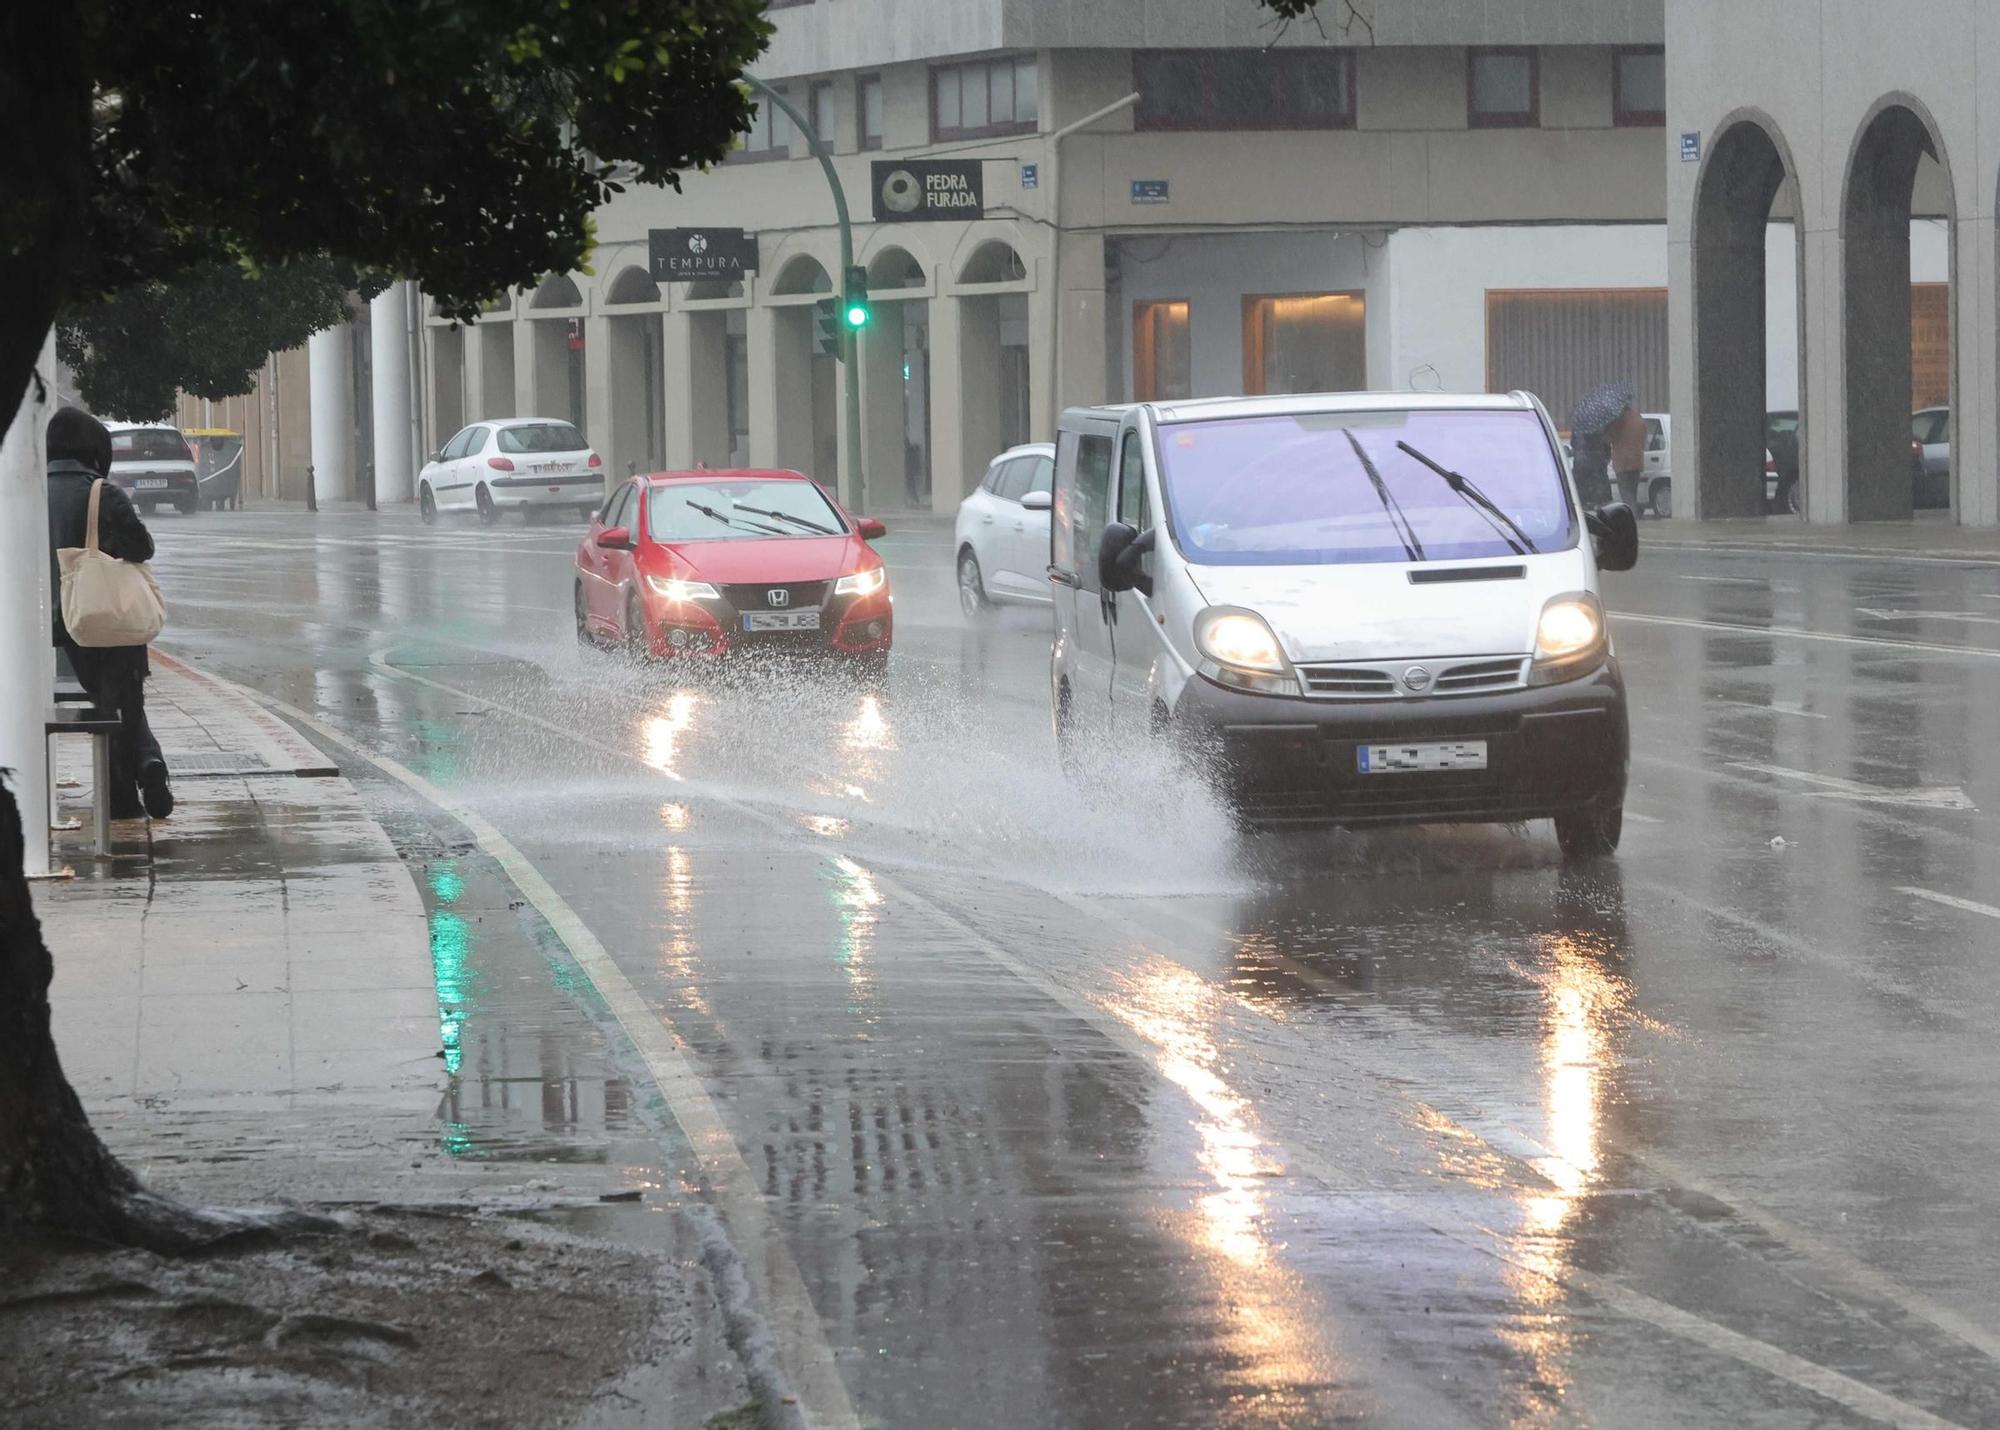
column 675, row 589
column 1569, row 638
column 862, row 583
column 1238, row 648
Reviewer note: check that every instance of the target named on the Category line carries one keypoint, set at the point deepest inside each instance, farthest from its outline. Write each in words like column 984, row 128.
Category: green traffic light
column 857, row 315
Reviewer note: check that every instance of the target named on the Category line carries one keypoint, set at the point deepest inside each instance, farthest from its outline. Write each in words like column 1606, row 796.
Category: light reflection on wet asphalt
column 1082, row 1110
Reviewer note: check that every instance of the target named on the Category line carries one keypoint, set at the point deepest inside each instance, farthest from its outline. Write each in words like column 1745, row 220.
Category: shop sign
column 925, row 191
column 695, row 255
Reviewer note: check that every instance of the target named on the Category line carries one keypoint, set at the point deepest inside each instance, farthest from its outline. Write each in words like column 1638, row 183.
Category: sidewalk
column 254, row 972
column 1929, row 536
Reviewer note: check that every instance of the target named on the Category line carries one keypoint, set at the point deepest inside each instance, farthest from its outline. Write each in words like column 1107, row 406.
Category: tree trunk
column 56, row 1178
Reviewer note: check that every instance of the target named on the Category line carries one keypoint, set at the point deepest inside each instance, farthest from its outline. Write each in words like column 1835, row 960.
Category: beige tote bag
column 105, row 601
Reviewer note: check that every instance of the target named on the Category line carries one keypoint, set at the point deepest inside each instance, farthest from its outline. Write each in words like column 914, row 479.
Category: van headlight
column 1569, row 639
column 1238, row 648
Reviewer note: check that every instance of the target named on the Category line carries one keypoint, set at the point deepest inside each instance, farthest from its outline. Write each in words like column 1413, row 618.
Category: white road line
column 1835, row 787
column 1950, row 901
column 1729, row 628
column 1760, row 581
column 1808, row 1375
column 802, row 1345
column 1877, row 613
column 1773, row 709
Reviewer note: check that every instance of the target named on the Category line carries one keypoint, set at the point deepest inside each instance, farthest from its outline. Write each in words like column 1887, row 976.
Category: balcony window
column 1244, row 89
column 1639, row 87
column 986, row 97
column 821, row 112
column 868, row 110
column 770, row 135
column 1503, row 89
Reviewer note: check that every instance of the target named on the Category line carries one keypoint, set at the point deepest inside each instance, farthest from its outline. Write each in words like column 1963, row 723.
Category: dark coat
column 120, row 533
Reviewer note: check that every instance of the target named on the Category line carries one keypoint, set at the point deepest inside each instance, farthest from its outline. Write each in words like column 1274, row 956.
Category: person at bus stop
column 1628, row 453
column 114, row 676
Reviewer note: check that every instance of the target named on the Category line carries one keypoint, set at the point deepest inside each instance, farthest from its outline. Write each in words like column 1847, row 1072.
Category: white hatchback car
column 512, row 464
column 152, row 462
column 1003, row 531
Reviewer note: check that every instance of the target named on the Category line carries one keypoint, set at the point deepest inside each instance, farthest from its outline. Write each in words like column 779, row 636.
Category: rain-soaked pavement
column 1073, row 1110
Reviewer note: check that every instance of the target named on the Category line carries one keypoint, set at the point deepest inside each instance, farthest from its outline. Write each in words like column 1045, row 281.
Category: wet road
column 1050, row 1108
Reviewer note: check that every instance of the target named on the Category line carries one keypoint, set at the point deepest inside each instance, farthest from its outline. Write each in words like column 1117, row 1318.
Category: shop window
column 868, row 111
column 1930, row 345
column 1244, row 89
column 1639, row 87
column 986, row 97
column 1162, row 358
column 1309, row 342
column 1503, row 89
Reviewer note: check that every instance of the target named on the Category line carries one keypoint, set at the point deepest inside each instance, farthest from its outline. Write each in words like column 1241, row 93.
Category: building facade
column 1841, row 123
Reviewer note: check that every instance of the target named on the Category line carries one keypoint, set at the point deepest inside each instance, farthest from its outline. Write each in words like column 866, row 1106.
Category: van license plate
column 1417, row 759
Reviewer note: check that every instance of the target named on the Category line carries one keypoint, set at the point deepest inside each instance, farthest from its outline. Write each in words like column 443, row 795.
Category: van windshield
column 1292, row 490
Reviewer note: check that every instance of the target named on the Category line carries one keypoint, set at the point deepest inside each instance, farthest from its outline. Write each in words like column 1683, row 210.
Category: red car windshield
column 743, row 510
column 149, row 444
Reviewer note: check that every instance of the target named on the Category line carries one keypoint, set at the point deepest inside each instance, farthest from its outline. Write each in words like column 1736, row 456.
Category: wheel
column 488, row 512
column 1660, row 497
column 147, row 508
column 1790, row 499
column 186, row 506
column 636, row 645
column 582, row 620
column 972, row 597
column 1068, row 756
column 427, row 505
column 1593, row 831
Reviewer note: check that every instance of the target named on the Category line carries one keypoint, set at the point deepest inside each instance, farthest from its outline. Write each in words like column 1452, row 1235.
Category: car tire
column 1592, row 831
column 637, row 648
column 186, row 506
column 973, row 601
column 146, row 508
column 427, row 505
column 1660, row 499
column 582, row 620
column 1790, row 499
column 489, row 513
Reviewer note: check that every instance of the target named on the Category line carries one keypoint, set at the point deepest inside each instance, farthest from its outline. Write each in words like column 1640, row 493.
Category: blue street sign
column 1031, row 175
column 1149, row 191
column 1691, row 147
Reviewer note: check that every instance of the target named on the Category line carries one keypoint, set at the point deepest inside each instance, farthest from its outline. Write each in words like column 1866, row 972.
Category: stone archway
column 1748, row 170
column 558, row 375
column 896, row 381
column 636, row 373
column 1885, row 479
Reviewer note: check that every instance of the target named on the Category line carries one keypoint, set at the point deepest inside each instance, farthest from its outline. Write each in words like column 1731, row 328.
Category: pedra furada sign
column 920, row 190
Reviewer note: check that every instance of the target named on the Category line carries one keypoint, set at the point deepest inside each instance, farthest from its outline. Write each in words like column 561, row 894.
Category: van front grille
column 1390, row 679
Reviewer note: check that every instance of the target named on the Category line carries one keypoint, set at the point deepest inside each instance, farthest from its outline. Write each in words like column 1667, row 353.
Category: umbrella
column 1600, row 407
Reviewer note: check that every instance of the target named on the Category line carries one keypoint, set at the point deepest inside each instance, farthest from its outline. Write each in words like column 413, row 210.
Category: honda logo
column 778, row 596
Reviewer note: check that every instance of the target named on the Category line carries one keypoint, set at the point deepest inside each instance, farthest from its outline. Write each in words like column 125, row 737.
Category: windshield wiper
column 1405, row 533
column 1481, row 503
column 786, row 516
column 728, row 520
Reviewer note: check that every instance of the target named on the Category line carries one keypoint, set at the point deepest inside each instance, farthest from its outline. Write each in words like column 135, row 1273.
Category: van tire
column 1067, row 755
column 1592, row 831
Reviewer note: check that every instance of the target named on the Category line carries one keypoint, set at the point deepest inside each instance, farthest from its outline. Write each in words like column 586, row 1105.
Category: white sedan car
column 1003, row 531
column 512, row 464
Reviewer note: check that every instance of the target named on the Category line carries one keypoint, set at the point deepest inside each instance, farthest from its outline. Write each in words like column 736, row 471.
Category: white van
column 1364, row 608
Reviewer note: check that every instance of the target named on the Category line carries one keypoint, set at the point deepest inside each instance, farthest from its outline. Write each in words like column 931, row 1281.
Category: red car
column 696, row 565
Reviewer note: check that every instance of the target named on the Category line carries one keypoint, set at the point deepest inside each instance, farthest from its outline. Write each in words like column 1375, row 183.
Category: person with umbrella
column 1607, row 432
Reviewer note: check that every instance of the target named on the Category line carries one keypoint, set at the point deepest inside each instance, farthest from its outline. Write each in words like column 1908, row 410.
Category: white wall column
column 330, row 362
column 389, row 375
column 763, row 336
column 1975, row 438
column 677, row 363
column 25, row 604
column 526, row 397
column 600, row 382
column 474, row 354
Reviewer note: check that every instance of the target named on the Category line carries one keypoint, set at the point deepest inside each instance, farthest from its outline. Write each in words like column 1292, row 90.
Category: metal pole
column 1054, row 302
column 850, row 346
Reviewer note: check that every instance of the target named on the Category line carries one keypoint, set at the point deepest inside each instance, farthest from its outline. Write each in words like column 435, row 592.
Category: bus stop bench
column 67, row 718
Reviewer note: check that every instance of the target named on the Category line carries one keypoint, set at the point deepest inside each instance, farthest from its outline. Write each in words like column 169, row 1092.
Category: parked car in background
column 218, row 461
column 153, row 464
column 1656, row 486
column 1002, row 536
column 1930, row 457
column 522, row 464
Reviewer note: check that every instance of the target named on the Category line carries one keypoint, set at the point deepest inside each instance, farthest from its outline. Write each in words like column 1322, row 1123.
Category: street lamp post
column 850, row 334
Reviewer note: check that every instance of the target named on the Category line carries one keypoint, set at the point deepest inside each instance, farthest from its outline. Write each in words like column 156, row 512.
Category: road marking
column 1772, row 709
column 1950, row 901
column 1807, row 1375
column 802, row 1345
column 1834, row 787
column 1730, row 628
column 1876, row 613
column 1760, row 581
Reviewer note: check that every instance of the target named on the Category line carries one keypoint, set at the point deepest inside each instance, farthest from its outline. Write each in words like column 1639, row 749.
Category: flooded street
column 1039, row 1104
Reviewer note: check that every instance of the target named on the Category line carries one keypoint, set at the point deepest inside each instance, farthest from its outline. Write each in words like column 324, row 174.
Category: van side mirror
column 1614, row 530
column 868, row 528
column 1037, row 501
column 615, row 538
column 1120, row 554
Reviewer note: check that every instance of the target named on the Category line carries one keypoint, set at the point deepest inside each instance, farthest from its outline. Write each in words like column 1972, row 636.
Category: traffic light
column 854, row 299
column 826, row 328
